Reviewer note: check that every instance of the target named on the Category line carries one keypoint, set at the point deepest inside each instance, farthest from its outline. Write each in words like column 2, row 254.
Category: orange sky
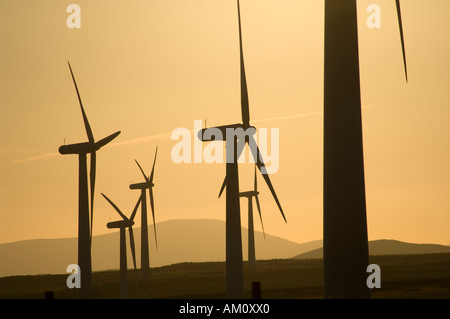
column 148, row 67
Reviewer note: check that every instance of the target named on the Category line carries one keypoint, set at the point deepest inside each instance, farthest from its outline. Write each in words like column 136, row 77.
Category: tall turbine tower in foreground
column 234, row 264
column 346, row 255
column 84, row 227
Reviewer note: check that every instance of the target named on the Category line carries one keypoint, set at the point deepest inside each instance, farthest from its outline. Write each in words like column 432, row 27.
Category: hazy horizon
column 44, row 256
column 150, row 225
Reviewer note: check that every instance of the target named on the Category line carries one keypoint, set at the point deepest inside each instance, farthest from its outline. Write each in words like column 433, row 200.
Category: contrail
column 32, row 158
column 286, row 117
column 299, row 115
column 162, row 136
column 142, row 140
column 165, row 136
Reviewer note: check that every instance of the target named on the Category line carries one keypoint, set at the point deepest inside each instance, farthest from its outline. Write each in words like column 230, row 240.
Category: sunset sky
column 148, row 67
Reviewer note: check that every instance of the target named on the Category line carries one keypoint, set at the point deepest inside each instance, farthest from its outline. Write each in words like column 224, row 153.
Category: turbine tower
column 346, row 255
column 227, row 133
column 84, row 227
column 251, row 230
column 148, row 184
column 122, row 225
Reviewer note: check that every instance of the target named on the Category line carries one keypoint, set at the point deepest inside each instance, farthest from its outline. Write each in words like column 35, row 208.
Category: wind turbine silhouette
column 84, row 227
column 251, row 231
column 346, row 254
column 148, row 184
column 234, row 264
column 122, row 225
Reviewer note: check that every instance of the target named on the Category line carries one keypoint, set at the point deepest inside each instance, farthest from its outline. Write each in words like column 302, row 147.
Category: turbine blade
column 244, row 92
column 106, row 140
column 223, row 186
column 133, row 253
column 260, row 164
column 153, row 168
column 115, row 207
column 400, row 26
column 255, row 184
column 143, row 173
column 135, row 208
column 92, row 183
column 240, row 147
column 133, row 250
column 86, row 122
column 153, row 215
column 260, row 216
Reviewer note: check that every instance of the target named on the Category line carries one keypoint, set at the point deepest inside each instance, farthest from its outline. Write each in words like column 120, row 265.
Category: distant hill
column 386, row 247
column 189, row 240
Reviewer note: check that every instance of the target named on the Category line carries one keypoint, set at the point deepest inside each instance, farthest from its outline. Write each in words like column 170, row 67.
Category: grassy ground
column 407, row 276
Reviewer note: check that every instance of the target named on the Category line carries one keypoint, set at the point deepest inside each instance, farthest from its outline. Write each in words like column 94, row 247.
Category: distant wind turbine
column 234, row 264
column 346, row 254
column 251, row 230
column 122, row 225
column 147, row 184
column 84, row 227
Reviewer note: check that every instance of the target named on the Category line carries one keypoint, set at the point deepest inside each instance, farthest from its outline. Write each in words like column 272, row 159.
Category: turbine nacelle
column 143, row 185
column 120, row 224
column 86, row 147
column 78, row 148
column 249, row 194
column 247, row 129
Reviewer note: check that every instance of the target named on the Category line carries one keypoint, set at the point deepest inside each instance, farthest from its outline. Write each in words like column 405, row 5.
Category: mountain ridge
column 180, row 240
column 386, row 247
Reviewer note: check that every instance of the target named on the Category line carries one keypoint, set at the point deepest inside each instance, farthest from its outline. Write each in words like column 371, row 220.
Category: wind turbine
column 148, row 184
column 84, row 227
column 234, row 264
column 122, row 225
column 346, row 254
column 251, row 232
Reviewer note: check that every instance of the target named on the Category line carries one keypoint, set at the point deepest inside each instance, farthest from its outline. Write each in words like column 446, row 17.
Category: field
column 402, row 276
